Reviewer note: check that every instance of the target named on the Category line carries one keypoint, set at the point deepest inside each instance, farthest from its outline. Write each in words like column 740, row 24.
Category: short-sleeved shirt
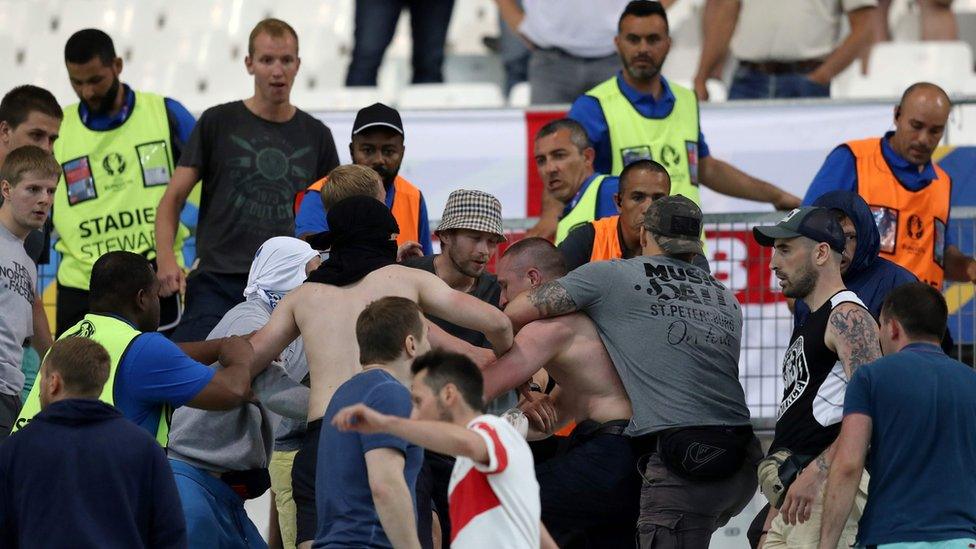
column 587, row 111
column 343, row 500
column 922, row 406
column 573, row 26
column 773, row 30
column 839, row 173
column 495, row 504
column 251, row 169
column 673, row 333
column 18, row 284
column 154, row 372
column 312, row 218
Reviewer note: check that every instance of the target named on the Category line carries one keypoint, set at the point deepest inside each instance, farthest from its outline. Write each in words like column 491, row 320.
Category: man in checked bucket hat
column 470, row 231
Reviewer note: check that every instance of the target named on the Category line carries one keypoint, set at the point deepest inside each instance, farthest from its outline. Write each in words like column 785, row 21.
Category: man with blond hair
column 252, row 157
column 28, row 179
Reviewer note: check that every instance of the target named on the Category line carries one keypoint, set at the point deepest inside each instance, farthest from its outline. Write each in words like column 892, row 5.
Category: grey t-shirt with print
column 673, row 333
column 18, row 285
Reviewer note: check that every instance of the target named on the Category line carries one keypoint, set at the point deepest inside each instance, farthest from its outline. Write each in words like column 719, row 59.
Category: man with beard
column 837, row 338
column 638, row 114
column 865, row 273
column 117, row 149
column 470, row 231
column 377, row 142
column 252, row 157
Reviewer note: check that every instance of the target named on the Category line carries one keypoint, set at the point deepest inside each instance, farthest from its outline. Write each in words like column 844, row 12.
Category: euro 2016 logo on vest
column 85, row 329
column 669, row 156
column 915, row 227
column 113, row 163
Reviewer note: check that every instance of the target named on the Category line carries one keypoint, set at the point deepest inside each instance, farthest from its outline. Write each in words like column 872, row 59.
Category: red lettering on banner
column 742, row 265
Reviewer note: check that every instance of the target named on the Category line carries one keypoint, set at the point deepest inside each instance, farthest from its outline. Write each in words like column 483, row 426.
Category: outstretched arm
column 439, row 436
column 724, row 178
column 438, row 299
column 547, row 300
column 278, row 333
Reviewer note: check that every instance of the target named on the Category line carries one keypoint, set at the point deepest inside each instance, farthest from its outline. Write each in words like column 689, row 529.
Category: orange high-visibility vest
column 606, row 242
column 406, row 207
column 912, row 224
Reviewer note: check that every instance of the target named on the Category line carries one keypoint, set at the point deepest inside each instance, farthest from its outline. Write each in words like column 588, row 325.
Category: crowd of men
column 585, row 395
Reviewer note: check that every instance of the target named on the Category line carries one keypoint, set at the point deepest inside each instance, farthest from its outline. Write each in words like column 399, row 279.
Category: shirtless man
column 590, row 494
column 361, row 269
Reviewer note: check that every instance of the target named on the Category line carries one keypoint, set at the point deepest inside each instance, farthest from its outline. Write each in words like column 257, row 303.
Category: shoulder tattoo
column 857, row 332
column 551, row 299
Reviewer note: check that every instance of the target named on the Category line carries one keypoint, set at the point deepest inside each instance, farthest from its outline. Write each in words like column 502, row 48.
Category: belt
column 782, row 67
column 590, row 428
column 565, row 53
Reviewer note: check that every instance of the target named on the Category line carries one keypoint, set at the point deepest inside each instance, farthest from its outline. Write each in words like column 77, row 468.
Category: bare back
column 326, row 315
column 571, row 350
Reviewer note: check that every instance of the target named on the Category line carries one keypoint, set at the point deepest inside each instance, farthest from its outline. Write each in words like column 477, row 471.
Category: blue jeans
column 215, row 515
column 376, row 22
column 752, row 84
column 208, row 297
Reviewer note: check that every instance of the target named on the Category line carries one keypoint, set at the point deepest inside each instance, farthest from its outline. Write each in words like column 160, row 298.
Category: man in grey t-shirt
column 673, row 333
column 28, row 179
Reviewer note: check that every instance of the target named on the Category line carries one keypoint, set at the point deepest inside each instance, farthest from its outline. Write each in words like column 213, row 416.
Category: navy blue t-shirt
column 922, row 406
column 343, row 500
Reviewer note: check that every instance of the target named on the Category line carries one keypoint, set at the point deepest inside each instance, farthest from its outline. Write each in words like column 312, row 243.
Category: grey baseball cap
column 676, row 223
column 817, row 224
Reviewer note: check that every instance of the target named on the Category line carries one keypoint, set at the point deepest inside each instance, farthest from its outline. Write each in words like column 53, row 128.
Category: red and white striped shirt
column 495, row 504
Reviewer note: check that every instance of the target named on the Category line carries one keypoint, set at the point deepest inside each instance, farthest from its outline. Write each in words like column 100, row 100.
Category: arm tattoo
column 822, row 464
column 551, row 299
column 858, row 333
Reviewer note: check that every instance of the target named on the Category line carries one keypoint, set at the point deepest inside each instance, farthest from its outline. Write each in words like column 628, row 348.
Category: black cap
column 676, row 222
column 375, row 115
column 817, row 224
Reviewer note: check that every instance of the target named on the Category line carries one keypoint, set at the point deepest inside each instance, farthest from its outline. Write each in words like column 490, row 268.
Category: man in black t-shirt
column 253, row 157
column 838, row 337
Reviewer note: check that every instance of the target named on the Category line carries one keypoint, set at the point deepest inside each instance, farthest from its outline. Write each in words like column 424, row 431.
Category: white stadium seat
column 440, row 96
column 893, row 66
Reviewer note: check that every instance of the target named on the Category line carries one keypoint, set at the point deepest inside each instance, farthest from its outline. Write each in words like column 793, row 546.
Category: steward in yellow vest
column 150, row 376
column 117, row 150
column 638, row 114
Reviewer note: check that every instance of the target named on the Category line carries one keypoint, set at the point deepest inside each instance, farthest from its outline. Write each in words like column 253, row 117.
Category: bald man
column 907, row 191
column 591, row 493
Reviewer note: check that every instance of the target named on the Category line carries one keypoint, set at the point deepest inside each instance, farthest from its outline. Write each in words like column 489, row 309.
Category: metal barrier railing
column 743, row 266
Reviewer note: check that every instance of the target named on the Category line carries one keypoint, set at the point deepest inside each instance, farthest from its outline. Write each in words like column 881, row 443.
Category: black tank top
column 814, row 382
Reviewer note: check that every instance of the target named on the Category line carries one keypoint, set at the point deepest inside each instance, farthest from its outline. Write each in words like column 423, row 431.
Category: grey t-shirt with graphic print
column 18, row 285
column 673, row 333
column 251, row 170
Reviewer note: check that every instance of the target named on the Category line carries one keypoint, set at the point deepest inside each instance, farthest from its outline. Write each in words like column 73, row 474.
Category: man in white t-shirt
column 493, row 494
